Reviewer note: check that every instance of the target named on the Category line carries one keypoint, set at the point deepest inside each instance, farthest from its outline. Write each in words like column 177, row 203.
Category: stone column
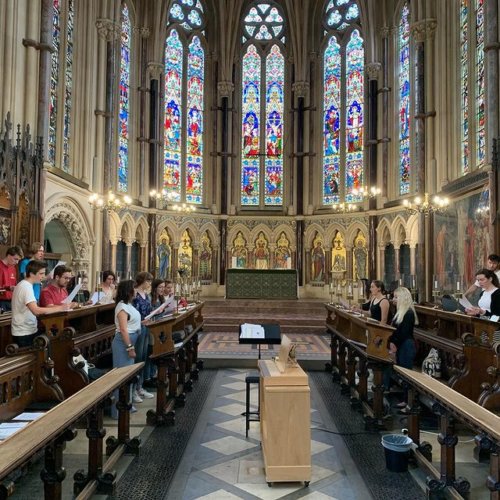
column 155, row 70
column 143, row 261
column 110, row 31
column 128, row 258
column 421, row 31
column 143, row 178
column 491, row 68
column 114, row 243
column 381, row 256
column 385, row 91
column 301, row 183
column 225, row 90
column 373, row 71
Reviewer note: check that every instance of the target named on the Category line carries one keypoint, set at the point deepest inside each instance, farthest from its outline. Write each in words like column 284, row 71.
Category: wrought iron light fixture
column 426, row 206
column 110, row 202
column 367, row 192
column 168, row 199
column 344, row 207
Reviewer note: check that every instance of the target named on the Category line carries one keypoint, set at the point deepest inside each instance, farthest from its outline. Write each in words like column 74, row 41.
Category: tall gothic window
column 61, row 83
column 124, row 100
column 471, row 29
column 262, row 106
column 184, row 89
column 343, row 103
column 404, row 99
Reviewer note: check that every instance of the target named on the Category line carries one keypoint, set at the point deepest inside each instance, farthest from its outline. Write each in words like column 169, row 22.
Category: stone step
column 310, row 330
column 244, row 317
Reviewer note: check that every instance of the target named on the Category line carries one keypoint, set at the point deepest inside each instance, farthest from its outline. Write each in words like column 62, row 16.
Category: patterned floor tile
column 229, row 445
column 233, row 410
column 221, row 495
column 237, row 386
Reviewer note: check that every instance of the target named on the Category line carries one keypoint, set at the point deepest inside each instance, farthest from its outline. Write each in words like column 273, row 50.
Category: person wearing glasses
column 56, row 293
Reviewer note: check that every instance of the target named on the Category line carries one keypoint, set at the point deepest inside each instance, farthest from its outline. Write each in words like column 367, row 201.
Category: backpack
column 432, row 364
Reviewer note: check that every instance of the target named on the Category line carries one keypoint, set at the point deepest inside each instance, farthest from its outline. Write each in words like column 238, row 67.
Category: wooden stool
column 251, row 378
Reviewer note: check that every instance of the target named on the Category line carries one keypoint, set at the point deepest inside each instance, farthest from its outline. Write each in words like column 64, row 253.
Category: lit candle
column 177, row 289
column 349, row 289
column 413, row 283
column 435, row 284
column 98, row 277
column 331, row 287
column 338, row 289
column 458, row 286
column 79, row 281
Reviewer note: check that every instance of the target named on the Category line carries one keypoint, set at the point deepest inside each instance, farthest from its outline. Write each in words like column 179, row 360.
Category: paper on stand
column 59, row 263
column 29, row 416
column 250, row 331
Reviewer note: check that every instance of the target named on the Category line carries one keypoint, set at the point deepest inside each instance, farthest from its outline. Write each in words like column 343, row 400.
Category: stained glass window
column 124, row 101
column 480, row 129
column 404, row 100
column 184, row 88
column 262, row 105
column 472, row 86
column 343, row 104
column 61, row 83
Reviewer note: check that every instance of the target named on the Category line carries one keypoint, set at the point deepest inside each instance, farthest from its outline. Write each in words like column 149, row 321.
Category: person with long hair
column 401, row 342
column 378, row 305
column 489, row 301
column 142, row 302
column 128, row 329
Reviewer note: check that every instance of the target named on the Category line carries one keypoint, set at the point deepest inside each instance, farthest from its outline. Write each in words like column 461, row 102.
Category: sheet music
column 251, row 331
column 72, row 295
column 158, row 310
column 29, row 416
column 9, row 428
column 59, row 263
column 464, row 302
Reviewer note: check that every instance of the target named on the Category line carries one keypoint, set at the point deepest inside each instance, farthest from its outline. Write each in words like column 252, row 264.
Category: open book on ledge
column 250, row 331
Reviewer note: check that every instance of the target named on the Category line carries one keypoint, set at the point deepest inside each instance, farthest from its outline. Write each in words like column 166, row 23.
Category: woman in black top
column 378, row 305
column 489, row 301
column 401, row 342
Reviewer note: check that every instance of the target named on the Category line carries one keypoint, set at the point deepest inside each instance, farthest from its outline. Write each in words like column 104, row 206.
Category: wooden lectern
column 285, row 422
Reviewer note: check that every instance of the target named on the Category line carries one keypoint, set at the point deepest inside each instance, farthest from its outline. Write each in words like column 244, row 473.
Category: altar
column 261, row 284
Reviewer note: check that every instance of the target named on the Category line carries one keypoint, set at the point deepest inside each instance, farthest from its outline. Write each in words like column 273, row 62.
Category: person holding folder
column 56, row 293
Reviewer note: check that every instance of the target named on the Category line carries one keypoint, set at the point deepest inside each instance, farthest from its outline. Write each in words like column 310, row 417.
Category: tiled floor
column 221, row 463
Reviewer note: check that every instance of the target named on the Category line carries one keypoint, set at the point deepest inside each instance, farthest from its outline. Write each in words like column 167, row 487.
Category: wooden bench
column 50, row 432
column 449, row 405
column 177, row 366
column 27, row 378
column 465, row 344
column 358, row 345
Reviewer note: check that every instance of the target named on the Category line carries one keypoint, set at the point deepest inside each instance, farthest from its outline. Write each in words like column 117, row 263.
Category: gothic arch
column 330, row 233
column 311, row 234
column 352, row 232
column 261, row 228
column 399, row 230
column 289, row 233
column 237, row 228
column 384, row 232
column 193, row 233
column 213, row 233
column 67, row 212
column 142, row 231
column 127, row 229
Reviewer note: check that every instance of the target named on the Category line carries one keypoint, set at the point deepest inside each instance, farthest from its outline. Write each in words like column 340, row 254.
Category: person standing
column 36, row 252
column 401, row 342
column 8, row 276
column 25, row 308
column 492, row 264
column 378, row 305
column 128, row 330
column 142, row 303
column 489, row 301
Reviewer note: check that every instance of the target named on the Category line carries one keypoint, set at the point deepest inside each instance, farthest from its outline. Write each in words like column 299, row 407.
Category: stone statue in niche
column 239, row 252
column 338, row 254
column 205, row 258
column 282, row 254
column 163, row 253
column 360, row 257
column 261, row 253
column 185, row 261
column 318, row 260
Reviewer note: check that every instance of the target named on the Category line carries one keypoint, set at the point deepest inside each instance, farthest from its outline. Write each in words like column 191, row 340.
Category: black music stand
column 272, row 335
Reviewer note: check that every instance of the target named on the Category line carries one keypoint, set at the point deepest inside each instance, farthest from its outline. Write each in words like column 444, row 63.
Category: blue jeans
column 141, row 352
column 121, row 358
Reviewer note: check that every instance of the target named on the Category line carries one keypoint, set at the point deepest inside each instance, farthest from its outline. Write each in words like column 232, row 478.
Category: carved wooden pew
column 357, row 342
column 88, row 331
column 50, row 431
column 465, row 344
column 5, row 335
column 27, row 377
column 449, row 405
column 177, row 366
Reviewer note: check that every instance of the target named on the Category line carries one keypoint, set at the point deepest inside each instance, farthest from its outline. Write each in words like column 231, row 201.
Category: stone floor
column 220, row 463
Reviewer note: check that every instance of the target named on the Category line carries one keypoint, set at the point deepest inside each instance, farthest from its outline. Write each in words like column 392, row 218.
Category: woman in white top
column 489, row 302
column 128, row 329
column 108, row 287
